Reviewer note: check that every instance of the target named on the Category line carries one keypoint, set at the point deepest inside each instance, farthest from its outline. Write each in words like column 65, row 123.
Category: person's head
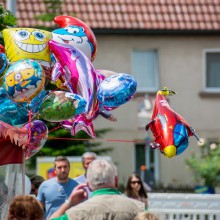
column 35, row 183
column 102, row 173
column 62, row 168
column 87, row 158
column 135, row 186
column 146, row 216
column 25, row 207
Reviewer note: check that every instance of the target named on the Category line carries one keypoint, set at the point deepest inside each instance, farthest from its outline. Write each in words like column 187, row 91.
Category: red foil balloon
column 169, row 129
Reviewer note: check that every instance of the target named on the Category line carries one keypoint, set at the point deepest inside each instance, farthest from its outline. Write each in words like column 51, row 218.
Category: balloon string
column 29, row 127
column 104, row 140
column 24, row 97
column 55, row 128
column 54, row 90
column 89, row 139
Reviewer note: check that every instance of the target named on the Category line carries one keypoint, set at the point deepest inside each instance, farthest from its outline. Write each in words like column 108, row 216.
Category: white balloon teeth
column 17, row 136
column 31, row 48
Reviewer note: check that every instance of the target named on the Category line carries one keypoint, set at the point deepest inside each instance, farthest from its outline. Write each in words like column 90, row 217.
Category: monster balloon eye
column 22, row 35
column 39, row 35
column 72, row 30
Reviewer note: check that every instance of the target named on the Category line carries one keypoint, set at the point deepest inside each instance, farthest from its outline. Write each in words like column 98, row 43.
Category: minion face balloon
column 22, row 43
column 24, row 80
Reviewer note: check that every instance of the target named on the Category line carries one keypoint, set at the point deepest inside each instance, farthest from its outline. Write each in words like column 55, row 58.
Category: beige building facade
column 161, row 43
column 181, row 65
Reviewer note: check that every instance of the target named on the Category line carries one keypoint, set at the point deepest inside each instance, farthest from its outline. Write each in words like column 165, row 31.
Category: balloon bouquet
column 31, row 58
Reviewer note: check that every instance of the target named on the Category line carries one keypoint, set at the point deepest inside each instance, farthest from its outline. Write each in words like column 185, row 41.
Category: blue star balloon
column 116, row 90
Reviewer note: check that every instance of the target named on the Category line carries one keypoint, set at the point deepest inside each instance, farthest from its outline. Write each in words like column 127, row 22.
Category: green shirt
column 104, row 191
column 62, row 217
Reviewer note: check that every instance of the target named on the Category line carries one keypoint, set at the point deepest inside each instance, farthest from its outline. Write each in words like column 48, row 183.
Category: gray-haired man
column 87, row 158
column 106, row 201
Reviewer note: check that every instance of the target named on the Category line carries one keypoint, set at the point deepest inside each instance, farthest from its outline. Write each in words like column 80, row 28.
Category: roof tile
column 129, row 14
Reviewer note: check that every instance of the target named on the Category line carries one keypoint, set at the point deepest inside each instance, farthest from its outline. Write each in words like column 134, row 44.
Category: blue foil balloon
column 116, row 90
column 23, row 80
column 35, row 103
column 11, row 112
column 3, row 63
column 16, row 114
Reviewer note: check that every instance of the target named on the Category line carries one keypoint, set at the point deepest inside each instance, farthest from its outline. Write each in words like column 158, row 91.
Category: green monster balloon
column 60, row 105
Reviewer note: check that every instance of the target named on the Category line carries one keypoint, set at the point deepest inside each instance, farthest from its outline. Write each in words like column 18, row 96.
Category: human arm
column 40, row 196
column 77, row 195
column 42, row 204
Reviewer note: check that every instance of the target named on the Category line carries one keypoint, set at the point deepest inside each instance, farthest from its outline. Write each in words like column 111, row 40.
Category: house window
column 211, row 60
column 140, row 156
column 144, row 155
column 145, row 70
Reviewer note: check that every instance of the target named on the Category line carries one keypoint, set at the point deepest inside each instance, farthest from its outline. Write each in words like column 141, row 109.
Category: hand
column 78, row 194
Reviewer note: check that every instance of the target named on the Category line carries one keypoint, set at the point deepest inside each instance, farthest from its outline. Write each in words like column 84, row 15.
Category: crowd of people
column 93, row 195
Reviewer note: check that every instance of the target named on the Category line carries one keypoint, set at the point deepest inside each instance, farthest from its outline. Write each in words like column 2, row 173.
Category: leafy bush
column 173, row 188
column 206, row 166
column 7, row 19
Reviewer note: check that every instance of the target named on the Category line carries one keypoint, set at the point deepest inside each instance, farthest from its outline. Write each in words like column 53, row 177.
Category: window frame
column 147, row 89
column 205, row 88
column 148, row 160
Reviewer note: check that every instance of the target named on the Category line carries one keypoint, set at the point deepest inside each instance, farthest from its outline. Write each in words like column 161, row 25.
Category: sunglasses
column 134, row 182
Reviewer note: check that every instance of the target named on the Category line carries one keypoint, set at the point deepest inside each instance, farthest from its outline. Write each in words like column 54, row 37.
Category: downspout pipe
column 11, row 5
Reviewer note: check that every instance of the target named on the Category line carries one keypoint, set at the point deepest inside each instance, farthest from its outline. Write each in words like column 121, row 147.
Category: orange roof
column 129, row 14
